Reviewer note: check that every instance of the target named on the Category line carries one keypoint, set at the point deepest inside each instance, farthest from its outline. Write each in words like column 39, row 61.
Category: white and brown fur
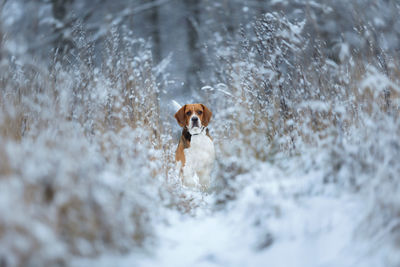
column 195, row 153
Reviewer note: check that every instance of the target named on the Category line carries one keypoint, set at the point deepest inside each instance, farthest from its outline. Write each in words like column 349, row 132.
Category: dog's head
column 194, row 117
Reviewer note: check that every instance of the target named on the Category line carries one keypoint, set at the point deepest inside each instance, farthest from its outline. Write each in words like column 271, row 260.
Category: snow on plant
column 253, row 96
column 81, row 154
column 281, row 98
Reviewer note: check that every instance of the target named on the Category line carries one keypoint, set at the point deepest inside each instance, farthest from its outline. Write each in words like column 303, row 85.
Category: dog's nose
column 195, row 119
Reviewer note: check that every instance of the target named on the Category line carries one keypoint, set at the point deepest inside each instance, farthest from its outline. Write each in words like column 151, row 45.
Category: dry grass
column 339, row 117
column 82, row 158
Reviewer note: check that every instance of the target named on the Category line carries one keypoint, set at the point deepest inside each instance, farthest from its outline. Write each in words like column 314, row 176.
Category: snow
column 176, row 105
column 305, row 129
column 306, row 231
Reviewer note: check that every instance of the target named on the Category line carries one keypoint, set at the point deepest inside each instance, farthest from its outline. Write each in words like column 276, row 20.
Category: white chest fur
column 199, row 158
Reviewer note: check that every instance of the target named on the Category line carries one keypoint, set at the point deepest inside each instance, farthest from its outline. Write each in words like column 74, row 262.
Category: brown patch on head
column 181, row 117
column 206, row 115
column 185, row 113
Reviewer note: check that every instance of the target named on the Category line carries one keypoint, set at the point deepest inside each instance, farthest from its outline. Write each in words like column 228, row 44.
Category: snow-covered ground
column 277, row 220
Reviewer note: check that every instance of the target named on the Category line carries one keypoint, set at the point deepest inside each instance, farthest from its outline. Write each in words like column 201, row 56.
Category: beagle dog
column 195, row 153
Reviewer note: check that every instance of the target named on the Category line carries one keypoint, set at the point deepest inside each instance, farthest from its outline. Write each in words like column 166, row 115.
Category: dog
column 195, row 154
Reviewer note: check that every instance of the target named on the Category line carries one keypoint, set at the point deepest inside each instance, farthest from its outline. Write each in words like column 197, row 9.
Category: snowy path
column 306, row 230
column 314, row 234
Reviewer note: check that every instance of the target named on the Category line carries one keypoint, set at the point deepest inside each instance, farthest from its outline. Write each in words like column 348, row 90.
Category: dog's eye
column 188, row 113
column 199, row 112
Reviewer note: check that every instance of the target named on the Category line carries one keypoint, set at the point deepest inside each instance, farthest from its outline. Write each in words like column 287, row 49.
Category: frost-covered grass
column 307, row 156
column 337, row 121
column 82, row 159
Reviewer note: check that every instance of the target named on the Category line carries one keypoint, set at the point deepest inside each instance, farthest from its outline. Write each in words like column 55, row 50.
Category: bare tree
column 195, row 58
column 155, row 30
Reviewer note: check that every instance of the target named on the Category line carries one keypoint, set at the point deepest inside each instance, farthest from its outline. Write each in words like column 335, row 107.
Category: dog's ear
column 180, row 116
column 206, row 115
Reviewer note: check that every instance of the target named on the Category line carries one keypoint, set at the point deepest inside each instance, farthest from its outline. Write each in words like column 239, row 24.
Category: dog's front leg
column 189, row 178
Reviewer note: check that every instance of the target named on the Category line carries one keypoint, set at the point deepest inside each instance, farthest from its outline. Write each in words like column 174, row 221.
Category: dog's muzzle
column 195, row 122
